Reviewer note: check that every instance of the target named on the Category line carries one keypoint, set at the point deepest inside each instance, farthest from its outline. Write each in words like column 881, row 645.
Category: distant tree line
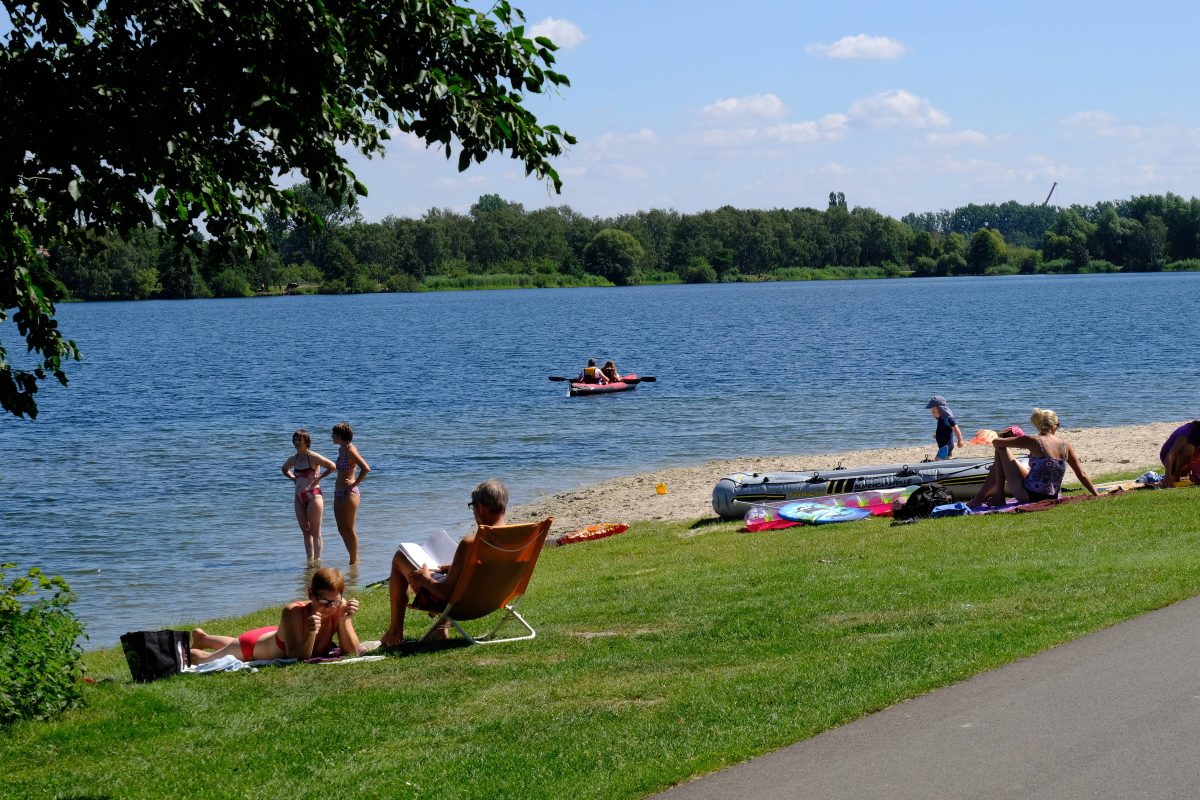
column 498, row 244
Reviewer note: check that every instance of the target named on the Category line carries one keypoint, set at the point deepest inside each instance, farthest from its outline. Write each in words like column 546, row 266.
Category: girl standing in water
column 302, row 469
column 346, row 496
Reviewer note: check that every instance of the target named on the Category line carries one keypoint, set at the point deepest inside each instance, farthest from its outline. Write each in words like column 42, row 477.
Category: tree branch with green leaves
column 190, row 115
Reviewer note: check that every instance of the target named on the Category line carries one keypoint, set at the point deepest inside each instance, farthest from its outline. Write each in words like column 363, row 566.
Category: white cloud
column 829, row 127
column 1031, row 169
column 977, row 166
column 1037, row 166
column 832, row 168
column 629, row 171
column 463, row 180
column 1088, row 118
column 861, row 46
column 726, row 137
column 406, row 140
column 1103, row 125
column 563, row 33
column 611, row 139
column 957, row 138
column 755, row 105
column 898, row 107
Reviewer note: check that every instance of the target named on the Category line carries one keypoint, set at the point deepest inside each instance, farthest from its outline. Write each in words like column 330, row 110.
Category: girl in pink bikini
column 305, row 629
column 303, row 468
column 346, row 496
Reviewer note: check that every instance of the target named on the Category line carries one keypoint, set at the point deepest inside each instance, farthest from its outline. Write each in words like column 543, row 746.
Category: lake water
column 153, row 485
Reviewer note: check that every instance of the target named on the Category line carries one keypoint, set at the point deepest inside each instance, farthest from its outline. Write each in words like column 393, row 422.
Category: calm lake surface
column 153, row 485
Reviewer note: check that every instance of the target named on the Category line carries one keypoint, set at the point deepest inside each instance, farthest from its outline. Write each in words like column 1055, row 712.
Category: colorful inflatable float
column 829, row 508
column 735, row 494
column 588, row 534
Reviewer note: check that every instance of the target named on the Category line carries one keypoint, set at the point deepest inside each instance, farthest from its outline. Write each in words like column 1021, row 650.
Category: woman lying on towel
column 305, row 630
column 1049, row 457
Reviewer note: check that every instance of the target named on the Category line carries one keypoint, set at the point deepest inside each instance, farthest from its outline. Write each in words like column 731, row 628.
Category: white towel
column 222, row 664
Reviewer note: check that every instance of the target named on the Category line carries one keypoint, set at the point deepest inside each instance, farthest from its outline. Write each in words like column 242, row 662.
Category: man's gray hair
column 492, row 495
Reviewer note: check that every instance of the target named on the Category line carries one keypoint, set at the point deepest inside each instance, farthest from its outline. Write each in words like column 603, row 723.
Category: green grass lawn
column 663, row 653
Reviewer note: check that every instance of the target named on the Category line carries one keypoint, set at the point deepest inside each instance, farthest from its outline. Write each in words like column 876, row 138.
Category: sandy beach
column 689, row 488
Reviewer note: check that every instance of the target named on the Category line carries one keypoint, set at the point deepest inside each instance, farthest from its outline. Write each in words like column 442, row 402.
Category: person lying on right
column 489, row 500
column 1041, row 479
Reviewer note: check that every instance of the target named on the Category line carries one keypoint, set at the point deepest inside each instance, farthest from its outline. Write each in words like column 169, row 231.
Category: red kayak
column 627, row 384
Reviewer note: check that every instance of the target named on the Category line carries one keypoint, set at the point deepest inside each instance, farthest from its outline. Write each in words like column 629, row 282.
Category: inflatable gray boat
column 735, row 494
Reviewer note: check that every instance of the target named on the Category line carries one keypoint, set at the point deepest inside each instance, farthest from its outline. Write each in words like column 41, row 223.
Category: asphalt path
column 1112, row 715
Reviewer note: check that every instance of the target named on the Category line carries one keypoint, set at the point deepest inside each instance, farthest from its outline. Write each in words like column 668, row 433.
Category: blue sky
column 901, row 106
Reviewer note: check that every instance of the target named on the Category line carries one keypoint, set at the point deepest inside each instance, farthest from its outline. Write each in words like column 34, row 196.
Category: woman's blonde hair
column 1044, row 419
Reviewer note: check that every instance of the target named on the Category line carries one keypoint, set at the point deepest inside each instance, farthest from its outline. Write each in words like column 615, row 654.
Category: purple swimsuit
column 1189, row 429
column 1045, row 474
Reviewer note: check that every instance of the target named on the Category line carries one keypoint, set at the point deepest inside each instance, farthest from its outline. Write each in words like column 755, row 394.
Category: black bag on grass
column 923, row 501
column 156, row 654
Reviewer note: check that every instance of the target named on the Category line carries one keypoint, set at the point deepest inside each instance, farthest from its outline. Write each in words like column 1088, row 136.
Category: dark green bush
column 231, row 283
column 403, row 282
column 698, row 270
column 1058, row 266
column 41, row 668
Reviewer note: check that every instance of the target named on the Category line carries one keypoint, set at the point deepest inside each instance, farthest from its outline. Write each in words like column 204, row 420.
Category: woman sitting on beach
column 305, row 630
column 1049, row 457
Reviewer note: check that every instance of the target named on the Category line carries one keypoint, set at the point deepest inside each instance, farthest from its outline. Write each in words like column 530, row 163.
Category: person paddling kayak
column 591, row 374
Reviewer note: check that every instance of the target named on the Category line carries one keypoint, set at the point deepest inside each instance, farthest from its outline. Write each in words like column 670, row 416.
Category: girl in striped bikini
column 346, row 496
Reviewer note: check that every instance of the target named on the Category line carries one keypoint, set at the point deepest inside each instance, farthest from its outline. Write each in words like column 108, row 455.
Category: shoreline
column 632, row 498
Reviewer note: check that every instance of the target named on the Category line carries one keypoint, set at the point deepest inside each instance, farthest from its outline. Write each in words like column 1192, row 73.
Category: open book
column 437, row 549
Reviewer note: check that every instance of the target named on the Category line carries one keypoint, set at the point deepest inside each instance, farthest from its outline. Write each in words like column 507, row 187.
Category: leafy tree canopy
column 186, row 114
column 614, row 254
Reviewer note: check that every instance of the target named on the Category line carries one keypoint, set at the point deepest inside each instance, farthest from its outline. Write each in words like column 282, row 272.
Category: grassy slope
column 663, row 653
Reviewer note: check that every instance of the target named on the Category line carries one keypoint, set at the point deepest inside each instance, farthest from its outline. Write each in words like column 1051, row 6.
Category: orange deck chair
column 494, row 577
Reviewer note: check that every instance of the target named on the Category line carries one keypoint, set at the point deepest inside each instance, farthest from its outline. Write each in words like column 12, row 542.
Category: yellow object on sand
column 661, row 488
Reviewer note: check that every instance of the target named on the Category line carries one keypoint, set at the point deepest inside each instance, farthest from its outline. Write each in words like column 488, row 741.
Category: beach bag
column 923, row 501
column 156, row 654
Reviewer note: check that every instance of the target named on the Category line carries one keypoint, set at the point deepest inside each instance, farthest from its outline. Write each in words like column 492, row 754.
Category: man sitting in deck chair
column 489, row 501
